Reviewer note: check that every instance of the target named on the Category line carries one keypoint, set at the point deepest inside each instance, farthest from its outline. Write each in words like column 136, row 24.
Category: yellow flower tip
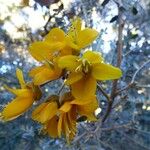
column 54, row 35
column 16, row 108
column 86, row 37
column 20, row 77
column 76, row 24
column 78, row 38
column 102, row 71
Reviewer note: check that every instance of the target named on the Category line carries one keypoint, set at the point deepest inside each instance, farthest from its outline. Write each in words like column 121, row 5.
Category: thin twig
column 124, row 88
column 138, row 130
column 134, row 141
column 119, row 48
column 132, row 83
column 79, row 137
column 119, row 59
column 135, row 74
column 61, row 88
column 91, row 133
column 142, row 86
column 127, row 53
column 117, row 127
column 103, row 92
column 121, row 102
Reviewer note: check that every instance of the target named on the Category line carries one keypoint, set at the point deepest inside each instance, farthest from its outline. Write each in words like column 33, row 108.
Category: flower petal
column 69, row 62
column 84, row 87
column 20, row 77
column 51, row 127
column 16, row 107
column 93, row 57
column 36, row 70
column 40, row 50
column 43, row 50
column 72, row 43
column 55, row 35
column 65, row 107
column 66, row 128
column 83, row 101
column 86, row 37
column 45, row 113
column 60, row 125
column 45, row 74
column 88, row 110
column 73, row 77
column 20, row 92
column 71, row 118
column 38, row 110
column 76, row 27
column 106, row 72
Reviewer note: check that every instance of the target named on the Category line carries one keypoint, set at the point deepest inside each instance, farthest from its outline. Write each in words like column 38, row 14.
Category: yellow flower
column 24, row 100
column 69, row 111
column 77, row 38
column 46, row 111
column 56, row 43
column 50, row 47
column 45, row 73
column 59, row 114
column 85, row 71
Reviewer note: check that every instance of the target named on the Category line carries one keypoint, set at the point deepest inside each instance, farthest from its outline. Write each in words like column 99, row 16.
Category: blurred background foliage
column 25, row 21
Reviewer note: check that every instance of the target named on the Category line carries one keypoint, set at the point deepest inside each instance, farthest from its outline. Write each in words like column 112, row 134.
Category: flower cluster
column 62, row 55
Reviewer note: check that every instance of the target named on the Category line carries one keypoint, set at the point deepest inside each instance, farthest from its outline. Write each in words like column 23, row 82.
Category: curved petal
column 86, row 37
column 88, row 110
column 83, row 101
column 66, row 128
column 45, row 74
column 16, row 107
column 60, row 124
column 71, row 43
column 51, row 127
column 73, row 77
column 55, row 35
column 106, row 72
column 65, row 107
column 43, row 114
column 44, row 50
column 71, row 117
column 93, row 57
column 36, row 70
column 20, row 77
column 84, row 87
column 21, row 92
column 38, row 110
column 69, row 62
